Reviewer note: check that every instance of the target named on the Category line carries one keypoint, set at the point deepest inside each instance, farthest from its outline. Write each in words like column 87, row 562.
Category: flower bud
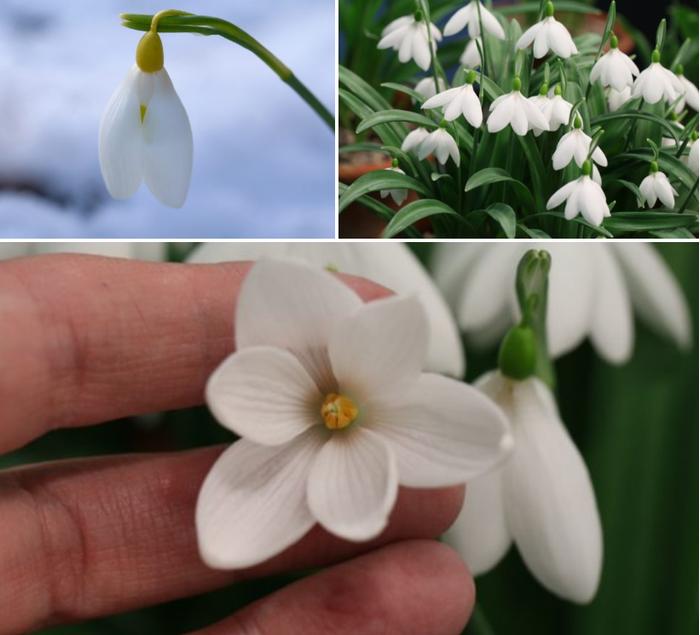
column 149, row 53
column 518, row 354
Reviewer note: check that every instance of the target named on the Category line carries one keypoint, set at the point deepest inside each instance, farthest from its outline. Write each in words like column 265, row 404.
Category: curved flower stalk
column 440, row 143
column 459, row 101
column 515, row 110
column 409, row 36
column 657, row 82
column 583, row 196
column 548, row 35
column 392, row 265
column 468, row 16
column 614, row 69
column 334, row 413
column 426, row 86
column 689, row 92
column 145, row 134
column 398, row 196
column 656, row 187
column 541, row 498
column 594, row 290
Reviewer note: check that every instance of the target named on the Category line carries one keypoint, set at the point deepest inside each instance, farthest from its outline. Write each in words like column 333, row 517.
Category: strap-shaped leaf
column 414, row 212
column 390, row 116
column 380, row 180
column 488, row 176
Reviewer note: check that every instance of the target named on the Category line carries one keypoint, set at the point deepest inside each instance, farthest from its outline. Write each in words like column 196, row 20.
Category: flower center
column 338, row 411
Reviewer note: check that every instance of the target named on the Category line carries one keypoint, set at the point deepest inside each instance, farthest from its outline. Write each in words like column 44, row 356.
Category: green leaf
column 609, row 24
column 600, row 120
column 487, row 176
column 380, row 180
column 536, row 167
column 561, row 5
column 413, row 212
column 532, row 232
column 668, row 164
column 661, row 35
column 601, row 231
column 390, row 116
column 632, row 188
column 680, row 232
column 623, row 222
column 359, row 147
column 400, row 88
column 505, row 216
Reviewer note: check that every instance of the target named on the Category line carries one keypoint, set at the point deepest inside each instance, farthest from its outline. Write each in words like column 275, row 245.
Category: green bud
column 587, row 168
column 655, row 56
column 694, row 136
column 149, row 53
column 679, row 70
column 557, row 90
column 418, row 16
column 613, row 41
column 653, row 167
column 394, row 163
column 471, row 76
column 518, row 354
column 578, row 124
column 517, row 84
column 544, row 89
column 549, row 10
column 443, row 123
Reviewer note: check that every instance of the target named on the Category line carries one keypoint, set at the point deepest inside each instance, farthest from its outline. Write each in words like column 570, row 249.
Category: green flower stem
column 205, row 25
column 484, row 61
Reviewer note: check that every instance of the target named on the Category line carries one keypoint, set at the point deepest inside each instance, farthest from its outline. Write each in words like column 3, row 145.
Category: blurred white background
column 263, row 161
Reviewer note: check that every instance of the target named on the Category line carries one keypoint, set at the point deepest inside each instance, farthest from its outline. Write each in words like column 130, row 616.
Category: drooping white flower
column 414, row 139
column 618, row 98
column 593, row 289
column 693, row 157
column 541, row 498
column 334, row 413
column 656, row 187
column 145, row 134
column 614, row 68
column 399, row 195
column 575, row 146
column 468, row 16
column 426, row 86
column 442, row 144
column 583, row 196
column 409, row 36
column 391, row 264
column 459, row 101
column 669, row 142
column 554, row 107
column 515, row 110
column 656, row 83
column 471, row 58
column 689, row 92
column 548, row 35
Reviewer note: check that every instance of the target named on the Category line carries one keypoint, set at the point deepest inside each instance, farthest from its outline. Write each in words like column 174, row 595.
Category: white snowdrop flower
column 440, row 143
column 426, row 86
column 594, row 289
column 145, row 134
column 459, row 101
column 544, row 105
column 414, row 139
column 554, row 107
column 583, row 196
column 391, row 264
column 575, row 146
column 656, row 83
column 614, row 68
column 409, row 36
column 541, row 498
column 693, row 157
column 471, row 58
column 468, row 16
column 515, row 110
column 617, row 98
column 399, row 195
column 334, row 413
column 548, row 35
column 689, row 92
column 656, row 187
column 668, row 142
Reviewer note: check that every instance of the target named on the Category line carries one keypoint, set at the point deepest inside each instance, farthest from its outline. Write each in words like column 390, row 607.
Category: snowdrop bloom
column 549, row 34
column 399, row 195
column 541, row 498
column 594, row 288
column 575, row 146
column 583, row 196
column 515, row 110
column 669, row 142
column 689, row 92
column 554, row 107
column 656, row 187
column 145, row 133
column 614, row 69
column 426, row 86
column 656, row 83
column 409, row 36
column 618, row 98
column 693, row 157
column 334, row 413
column 471, row 58
column 391, row 264
column 414, row 139
column 468, row 16
column 459, row 101
column 442, row 144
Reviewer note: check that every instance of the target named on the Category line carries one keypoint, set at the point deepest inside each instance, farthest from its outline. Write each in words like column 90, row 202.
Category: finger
column 85, row 339
column 80, row 539
column 413, row 588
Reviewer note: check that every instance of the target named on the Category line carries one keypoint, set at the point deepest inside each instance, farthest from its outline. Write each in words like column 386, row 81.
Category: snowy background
column 263, row 161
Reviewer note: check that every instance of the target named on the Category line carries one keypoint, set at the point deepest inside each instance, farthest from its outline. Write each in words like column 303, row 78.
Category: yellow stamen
column 338, row 411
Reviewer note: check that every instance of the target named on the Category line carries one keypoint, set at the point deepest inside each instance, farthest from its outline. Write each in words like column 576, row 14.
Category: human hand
column 88, row 339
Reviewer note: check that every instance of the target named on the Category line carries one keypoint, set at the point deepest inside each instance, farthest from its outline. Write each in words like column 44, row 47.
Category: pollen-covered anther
column 338, row 411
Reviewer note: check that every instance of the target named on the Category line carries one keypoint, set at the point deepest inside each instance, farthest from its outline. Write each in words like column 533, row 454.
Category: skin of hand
column 86, row 339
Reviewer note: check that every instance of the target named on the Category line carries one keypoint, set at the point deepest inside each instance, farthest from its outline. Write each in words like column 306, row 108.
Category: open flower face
column 334, row 413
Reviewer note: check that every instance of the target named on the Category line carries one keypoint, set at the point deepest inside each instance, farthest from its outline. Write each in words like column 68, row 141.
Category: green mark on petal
column 143, row 112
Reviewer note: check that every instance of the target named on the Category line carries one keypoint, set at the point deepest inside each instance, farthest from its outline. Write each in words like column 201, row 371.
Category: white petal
column 691, row 93
column 121, row 140
column 564, row 152
column 519, row 121
column 501, row 116
column 646, row 187
column 592, row 203
column 458, row 21
column 491, row 24
column 529, row 36
column 561, row 195
column 550, row 504
column 471, row 107
column 264, row 394
column 421, row 50
column 560, row 40
column 664, row 190
column 252, row 505
column 442, row 431
column 441, row 99
column 353, row 484
column 453, row 109
column 656, row 294
column 379, row 346
column 541, row 45
column 167, row 150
